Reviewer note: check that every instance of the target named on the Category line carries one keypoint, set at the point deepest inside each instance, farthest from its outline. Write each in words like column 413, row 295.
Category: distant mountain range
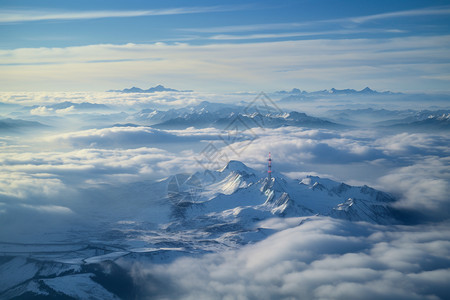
column 294, row 91
column 158, row 88
column 365, row 91
column 202, row 120
column 296, row 95
column 153, row 116
column 207, row 114
column 424, row 120
column 394, row 119
column 17, row 125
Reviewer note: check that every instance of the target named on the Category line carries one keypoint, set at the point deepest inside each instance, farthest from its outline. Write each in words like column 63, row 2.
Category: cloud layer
column 320, row 259
column 412, row 166
column 67, row 179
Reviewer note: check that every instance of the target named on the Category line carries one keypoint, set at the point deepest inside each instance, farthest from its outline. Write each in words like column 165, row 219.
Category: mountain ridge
column 285, row 197
column 348, row 91
column 16, row 125
column 158, row 88
column 208, row 114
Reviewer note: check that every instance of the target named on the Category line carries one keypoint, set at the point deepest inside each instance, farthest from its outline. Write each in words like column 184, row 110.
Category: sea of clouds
column 323, row 258
column 54, row 180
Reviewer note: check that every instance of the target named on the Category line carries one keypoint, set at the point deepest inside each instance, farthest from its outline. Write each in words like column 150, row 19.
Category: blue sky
column 224, row 46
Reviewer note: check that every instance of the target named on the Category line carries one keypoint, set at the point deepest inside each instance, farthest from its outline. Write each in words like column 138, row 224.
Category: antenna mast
column 269, row 171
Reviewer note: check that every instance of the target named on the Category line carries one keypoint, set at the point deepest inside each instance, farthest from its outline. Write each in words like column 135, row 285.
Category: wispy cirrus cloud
column 245, row 28
column 13, row 16
column 298, row 34
column 431, row 11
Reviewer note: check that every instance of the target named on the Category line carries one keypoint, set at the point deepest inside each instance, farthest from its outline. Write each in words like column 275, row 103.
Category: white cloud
column 293, row 146
column 119, row 137
column 24, row 185
column 46, row 111
column 52, row 209
column 291, row 34
column 320, row 259
column 65, row 110
column 72, row 170
column 41, row 111
column 120, row 101
column 424, row 186
column 414, row 143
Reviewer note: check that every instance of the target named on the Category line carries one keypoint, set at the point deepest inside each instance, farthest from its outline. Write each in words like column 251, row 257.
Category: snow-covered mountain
column 238, row 186
column 394, row 119
column 217, row 120
column 368, row 115
column 203, row 109
column 419, row 120
column 218, row 115
column 207, row 114
column 182, row 215
column 431, row 122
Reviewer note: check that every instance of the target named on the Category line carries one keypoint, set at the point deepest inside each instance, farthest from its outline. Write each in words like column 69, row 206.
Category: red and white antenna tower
column 269, row 171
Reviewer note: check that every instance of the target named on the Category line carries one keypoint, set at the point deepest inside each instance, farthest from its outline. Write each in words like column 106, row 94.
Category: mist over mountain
column 367, row 98
column 394, row 119
column 220, row 120
column 169, row 195
column 18, row 125
column 423, row 120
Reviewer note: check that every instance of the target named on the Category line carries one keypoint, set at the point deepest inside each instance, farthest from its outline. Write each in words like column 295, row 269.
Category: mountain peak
column 368, row 90
column 158, row 88
column 236, row 166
